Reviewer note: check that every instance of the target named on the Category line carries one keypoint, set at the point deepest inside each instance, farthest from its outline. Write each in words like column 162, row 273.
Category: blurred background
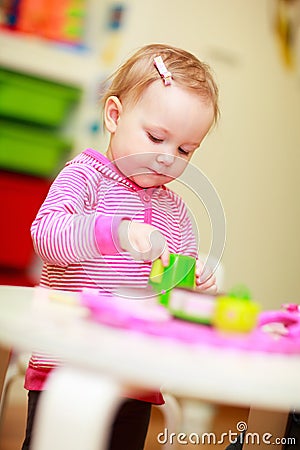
column 55, row 54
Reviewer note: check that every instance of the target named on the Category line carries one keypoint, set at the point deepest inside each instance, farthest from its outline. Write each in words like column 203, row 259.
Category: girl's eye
column 182, row 151
column 154, row 139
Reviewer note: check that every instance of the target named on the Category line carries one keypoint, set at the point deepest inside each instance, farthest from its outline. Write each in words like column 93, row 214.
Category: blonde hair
column 138, row 72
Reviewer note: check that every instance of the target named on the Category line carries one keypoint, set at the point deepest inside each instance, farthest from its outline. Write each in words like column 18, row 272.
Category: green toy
column 180, row 272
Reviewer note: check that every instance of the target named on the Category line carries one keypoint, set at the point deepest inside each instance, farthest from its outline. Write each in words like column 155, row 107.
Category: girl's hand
column 143, row 241
column 205, row 279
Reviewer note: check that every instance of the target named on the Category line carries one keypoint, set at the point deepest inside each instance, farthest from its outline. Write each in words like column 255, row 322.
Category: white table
column 107, row 362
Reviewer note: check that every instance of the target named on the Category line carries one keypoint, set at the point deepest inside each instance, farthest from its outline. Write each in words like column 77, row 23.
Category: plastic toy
column 154, row 319
column 192, row 305
column 122, row 312
column 236, row 312
column 179, row 272
column 284, row 322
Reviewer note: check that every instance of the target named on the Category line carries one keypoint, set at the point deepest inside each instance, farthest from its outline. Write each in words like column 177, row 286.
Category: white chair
column 16, row 368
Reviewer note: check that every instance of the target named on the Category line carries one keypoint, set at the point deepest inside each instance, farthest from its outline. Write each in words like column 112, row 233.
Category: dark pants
column 129, row 428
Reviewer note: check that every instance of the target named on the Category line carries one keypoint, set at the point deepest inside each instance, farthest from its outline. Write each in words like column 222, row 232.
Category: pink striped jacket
column 75, row 234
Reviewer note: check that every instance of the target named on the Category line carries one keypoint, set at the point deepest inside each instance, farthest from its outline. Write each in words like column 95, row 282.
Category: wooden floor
column 13, row 425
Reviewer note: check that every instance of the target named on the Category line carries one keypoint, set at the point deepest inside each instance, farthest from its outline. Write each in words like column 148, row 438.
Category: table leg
column 75, row 411
column 186, row 419
column 5, row 377
column 197, row 416
column 172, row 415
column 5, row 354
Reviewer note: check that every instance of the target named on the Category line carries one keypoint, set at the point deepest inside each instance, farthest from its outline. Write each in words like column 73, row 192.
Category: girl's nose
column 165, row 158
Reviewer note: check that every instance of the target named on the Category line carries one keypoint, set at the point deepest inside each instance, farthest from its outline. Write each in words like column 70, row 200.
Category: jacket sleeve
column 64, row 230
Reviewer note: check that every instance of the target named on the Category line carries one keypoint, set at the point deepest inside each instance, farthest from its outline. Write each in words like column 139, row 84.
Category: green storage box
column 36, row 100
column 31, row 150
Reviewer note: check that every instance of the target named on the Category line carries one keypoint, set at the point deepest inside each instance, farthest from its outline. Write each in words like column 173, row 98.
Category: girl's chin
column 147, row 181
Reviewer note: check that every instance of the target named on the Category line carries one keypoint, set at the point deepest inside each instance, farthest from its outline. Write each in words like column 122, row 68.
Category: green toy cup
column 179, row 272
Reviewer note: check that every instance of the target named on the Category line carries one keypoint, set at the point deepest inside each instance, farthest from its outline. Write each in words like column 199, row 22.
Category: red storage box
column 20, row 199
column 15, row 278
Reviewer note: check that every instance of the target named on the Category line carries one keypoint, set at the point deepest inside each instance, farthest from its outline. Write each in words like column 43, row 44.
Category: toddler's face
column 153, row 140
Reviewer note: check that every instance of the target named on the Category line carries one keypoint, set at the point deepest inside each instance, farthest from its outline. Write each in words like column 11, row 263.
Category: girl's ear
column 112, row 112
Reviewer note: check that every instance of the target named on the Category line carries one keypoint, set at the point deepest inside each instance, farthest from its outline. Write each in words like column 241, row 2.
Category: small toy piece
column 291, row 307
column 240, row 291
column 236, row 312
column 192, row 306
column 179, row 272
column 285, row 322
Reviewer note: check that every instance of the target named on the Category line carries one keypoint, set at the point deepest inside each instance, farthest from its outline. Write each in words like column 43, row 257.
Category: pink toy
column 122, row 312
column 153, row 319
column 293, row 307
column 290, row 322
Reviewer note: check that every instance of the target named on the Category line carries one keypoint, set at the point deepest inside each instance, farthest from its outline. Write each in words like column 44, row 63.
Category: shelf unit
column 58, row 63
column 30, row 54
column 63, row 64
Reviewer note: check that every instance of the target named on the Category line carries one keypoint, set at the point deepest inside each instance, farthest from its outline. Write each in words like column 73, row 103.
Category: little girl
column 107, row 217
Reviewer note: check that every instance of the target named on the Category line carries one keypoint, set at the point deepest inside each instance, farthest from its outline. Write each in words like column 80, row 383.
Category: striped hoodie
column 75, row 234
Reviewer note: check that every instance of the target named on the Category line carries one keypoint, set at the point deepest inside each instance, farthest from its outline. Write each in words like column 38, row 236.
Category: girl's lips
column 155, row 172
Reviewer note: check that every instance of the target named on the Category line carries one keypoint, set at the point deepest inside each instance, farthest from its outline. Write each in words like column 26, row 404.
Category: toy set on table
column 177, row 311
column 233, row 312
column 172, row 308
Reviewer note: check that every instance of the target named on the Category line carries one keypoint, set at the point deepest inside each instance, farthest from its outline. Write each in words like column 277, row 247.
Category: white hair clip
column 164, row 73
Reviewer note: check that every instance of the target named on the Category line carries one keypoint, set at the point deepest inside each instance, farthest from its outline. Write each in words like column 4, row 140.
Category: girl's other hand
column 143, row 241
column 205, row 279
